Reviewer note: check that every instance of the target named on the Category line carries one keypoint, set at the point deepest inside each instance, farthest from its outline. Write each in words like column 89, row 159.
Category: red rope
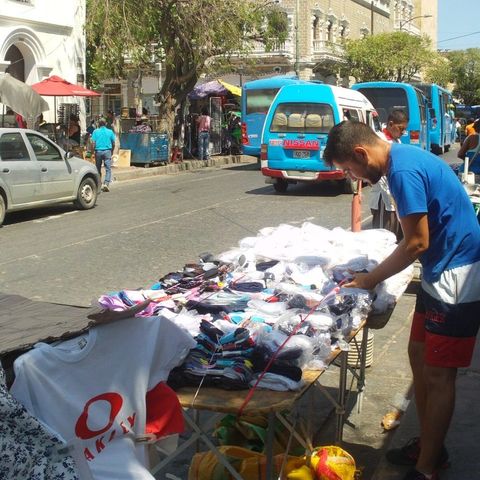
column 275, row 355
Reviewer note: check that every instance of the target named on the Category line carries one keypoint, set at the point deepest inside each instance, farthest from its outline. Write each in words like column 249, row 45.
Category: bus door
column 424, row 121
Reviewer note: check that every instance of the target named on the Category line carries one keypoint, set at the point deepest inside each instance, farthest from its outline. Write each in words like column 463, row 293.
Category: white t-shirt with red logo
column 91, row 390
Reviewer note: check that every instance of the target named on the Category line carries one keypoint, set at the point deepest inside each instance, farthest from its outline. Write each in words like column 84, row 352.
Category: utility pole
column 297, row 39
column 371, row 17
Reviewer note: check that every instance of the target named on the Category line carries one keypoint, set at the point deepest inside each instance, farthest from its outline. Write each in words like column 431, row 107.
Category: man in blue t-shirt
column 103, row 142
column 441, row 230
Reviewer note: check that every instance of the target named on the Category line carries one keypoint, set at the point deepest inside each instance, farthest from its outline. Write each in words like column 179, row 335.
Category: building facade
column 319, row 28
column 39, row 38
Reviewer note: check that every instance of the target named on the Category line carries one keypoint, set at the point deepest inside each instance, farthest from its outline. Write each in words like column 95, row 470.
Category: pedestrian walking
column 103, row 143
column 441, row 230
column 203, row 125
column 381, row 203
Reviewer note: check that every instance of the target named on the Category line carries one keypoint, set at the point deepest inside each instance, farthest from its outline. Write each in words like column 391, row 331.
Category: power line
column 460, row 36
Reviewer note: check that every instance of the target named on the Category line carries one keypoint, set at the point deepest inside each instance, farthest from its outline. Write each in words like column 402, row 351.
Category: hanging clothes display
column 28, row 451
column 92, row 389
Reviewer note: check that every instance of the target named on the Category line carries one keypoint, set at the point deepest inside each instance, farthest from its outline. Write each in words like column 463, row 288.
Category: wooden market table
column 271, row 403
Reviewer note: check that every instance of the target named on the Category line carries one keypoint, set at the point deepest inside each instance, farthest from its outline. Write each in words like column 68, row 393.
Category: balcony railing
column 258, row 48
column 326, row 48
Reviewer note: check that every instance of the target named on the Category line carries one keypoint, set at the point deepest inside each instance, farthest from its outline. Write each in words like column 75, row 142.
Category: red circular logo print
column 81, row 428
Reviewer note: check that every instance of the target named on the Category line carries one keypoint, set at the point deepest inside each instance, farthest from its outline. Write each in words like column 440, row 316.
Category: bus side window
column 351, row 114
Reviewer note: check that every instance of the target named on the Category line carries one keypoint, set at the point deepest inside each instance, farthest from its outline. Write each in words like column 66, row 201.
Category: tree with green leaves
column 185, row 36
column 439, row 71
column 466, row 75
column 394, row 56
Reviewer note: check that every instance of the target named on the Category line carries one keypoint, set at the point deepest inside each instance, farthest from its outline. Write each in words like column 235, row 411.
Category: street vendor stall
column 248, row 331
column 219, row 98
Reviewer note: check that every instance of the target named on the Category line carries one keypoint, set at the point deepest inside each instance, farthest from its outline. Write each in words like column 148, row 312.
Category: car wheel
column 3, row 209
column 347, row 185
column 280, row 186
column 87, row 194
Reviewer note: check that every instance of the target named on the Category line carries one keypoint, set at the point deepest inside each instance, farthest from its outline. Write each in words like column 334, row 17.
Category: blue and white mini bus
column 389, row 96
column 257, row 96
column 296, row 132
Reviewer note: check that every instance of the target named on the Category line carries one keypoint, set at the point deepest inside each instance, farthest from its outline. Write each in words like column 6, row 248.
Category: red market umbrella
column 56, row 86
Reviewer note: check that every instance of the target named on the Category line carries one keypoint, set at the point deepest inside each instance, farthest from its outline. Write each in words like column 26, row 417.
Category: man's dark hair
column 204, row 111
column 470, row 120
column 344, row 137
column 476, row 125
column 398, row 116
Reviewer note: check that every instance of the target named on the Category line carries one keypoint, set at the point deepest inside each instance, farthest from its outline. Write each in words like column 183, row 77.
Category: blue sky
column 457, row 18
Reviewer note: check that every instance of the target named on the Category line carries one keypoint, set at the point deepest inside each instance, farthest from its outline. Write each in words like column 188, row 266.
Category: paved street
column 143, row 229
column 146, row 228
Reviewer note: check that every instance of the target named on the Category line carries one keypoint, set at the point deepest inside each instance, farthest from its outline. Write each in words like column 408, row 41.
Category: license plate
column 301, row 154
column 299, row 174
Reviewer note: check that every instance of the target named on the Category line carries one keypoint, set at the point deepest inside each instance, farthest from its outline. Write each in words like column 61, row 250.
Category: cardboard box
column 123, row 160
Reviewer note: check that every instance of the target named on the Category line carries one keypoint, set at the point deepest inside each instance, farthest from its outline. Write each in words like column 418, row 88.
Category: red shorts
column 448, row 330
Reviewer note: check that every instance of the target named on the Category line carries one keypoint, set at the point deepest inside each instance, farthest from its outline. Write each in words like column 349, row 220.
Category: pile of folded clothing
column 219, row 359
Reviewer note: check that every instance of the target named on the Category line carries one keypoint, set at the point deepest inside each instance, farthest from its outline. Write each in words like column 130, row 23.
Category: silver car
column 35, row 172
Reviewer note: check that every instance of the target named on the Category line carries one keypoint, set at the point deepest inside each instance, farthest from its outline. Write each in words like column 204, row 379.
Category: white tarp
column 20, row 97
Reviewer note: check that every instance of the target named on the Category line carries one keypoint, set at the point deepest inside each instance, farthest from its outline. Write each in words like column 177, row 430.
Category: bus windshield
column 259, row 101
column 386, row 100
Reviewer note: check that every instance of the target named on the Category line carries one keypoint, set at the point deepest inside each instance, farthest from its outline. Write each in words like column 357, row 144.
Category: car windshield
column 302, row 118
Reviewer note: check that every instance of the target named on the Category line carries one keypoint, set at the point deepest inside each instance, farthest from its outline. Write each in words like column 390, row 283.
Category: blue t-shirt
column 104, row 138
column 420, row 182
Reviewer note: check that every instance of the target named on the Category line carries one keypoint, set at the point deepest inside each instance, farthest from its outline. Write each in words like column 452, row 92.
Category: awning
column 232, row 88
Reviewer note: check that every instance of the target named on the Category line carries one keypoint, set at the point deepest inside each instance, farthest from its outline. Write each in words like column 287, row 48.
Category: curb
column 121, row 174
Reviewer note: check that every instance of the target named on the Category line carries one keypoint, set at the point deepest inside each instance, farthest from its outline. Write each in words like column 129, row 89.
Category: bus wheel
column 280, row 185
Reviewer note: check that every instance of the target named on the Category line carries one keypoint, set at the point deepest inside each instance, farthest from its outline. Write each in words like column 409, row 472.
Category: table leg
column 193, row 440
column 221, row 458
column 269, row 445
column 342, row 387
column 361, row 380
column 196, row 416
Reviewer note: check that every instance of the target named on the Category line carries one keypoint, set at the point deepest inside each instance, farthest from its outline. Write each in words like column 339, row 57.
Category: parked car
column 35, row 172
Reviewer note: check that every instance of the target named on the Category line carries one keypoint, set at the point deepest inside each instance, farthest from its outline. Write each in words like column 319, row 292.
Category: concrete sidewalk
column 463, row 437
column 128, row 173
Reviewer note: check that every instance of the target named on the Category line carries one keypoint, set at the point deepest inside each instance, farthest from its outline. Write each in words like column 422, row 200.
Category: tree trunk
column 166, row 110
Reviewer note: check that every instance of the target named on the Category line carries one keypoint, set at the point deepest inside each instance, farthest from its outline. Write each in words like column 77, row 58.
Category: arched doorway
column 17, row 63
